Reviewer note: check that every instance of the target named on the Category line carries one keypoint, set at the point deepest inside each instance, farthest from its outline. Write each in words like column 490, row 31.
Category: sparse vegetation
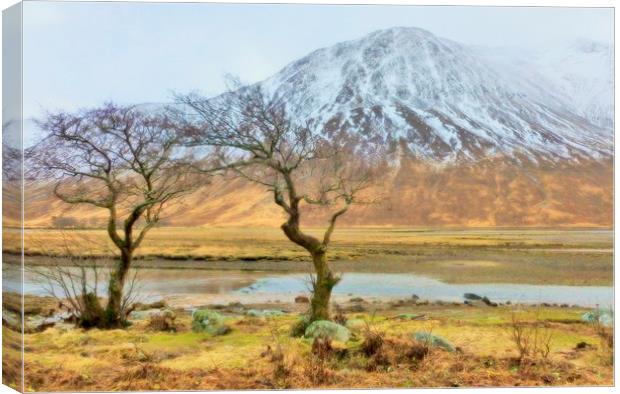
column 533, row 339
column 570, row 257
column 259, row 353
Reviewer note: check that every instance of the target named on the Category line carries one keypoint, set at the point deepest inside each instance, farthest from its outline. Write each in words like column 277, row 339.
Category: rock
column 264, row 312
column 488, row 302
column 472, row 296
column 433, row 340
column 583, row 345
column 39, row 323
column 11, row 320
column 327, row 330
column 205, row 320
column 302, row 300
column 143, row 314
column 153, row 305
column 356, row 325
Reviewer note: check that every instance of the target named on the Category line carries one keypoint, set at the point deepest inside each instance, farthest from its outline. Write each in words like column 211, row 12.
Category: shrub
column 205, row 320
column 532, row 339
column 162, row 321
column 299, row 328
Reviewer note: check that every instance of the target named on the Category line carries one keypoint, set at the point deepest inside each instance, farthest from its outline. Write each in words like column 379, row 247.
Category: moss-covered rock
column 327, row 330
column 433, row 340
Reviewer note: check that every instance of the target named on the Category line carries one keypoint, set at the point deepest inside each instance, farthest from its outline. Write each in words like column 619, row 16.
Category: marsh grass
column 139, row 358
column 550, row 256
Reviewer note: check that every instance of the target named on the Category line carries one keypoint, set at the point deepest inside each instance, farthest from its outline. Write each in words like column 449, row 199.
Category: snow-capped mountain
column 524, row 138
column 444, row 100
column 577, row 76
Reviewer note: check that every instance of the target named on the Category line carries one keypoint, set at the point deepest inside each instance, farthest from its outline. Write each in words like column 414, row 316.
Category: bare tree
column 119, row 159
column 11, row 156
column 74, row 280
column 253, row 136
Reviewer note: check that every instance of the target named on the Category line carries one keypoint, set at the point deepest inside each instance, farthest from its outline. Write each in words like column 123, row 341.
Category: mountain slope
column 512, row 139
column 438, row 96
column 577, row 75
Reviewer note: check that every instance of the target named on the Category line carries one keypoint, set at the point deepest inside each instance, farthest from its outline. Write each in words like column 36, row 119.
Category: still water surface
column 247, row 286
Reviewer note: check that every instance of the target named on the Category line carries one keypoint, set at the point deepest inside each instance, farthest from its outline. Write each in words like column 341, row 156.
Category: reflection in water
column 249, row 284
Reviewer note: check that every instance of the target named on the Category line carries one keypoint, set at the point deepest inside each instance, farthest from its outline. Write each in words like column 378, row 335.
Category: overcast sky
column 81, row 54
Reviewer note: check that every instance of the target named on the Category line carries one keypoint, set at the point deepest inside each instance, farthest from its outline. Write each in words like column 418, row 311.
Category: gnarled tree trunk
column 322, row 287
column 113, row 312
column 325, row 280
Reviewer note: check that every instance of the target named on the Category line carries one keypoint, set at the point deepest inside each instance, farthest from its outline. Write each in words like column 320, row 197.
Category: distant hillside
column 479, row 137
column 491, row 192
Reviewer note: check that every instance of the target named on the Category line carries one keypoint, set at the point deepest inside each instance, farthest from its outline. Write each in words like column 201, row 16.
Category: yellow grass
column 455, row 255
column 102, row 359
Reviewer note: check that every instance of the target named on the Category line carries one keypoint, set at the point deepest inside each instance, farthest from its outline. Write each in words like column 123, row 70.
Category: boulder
column 301, row 299
column 433, row 340
column 472, row 296
column 205, row 320
column 159, row 304
column 327, row 330
column 488, row 302
column 11, row 320
column 143, row 314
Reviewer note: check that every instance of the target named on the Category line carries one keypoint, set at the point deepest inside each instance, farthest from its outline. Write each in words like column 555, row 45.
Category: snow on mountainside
column 577, row 75
column 444, row 100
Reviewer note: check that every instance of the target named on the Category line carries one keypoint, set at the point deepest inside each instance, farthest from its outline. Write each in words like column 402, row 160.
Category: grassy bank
column 543, row 256
column 259, row 353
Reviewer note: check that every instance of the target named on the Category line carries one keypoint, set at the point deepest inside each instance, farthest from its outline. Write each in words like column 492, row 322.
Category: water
column 405, row 285
column 247, row 286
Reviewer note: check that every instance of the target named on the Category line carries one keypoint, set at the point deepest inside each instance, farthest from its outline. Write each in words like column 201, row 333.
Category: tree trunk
column 113, row 313
column 322, row 291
